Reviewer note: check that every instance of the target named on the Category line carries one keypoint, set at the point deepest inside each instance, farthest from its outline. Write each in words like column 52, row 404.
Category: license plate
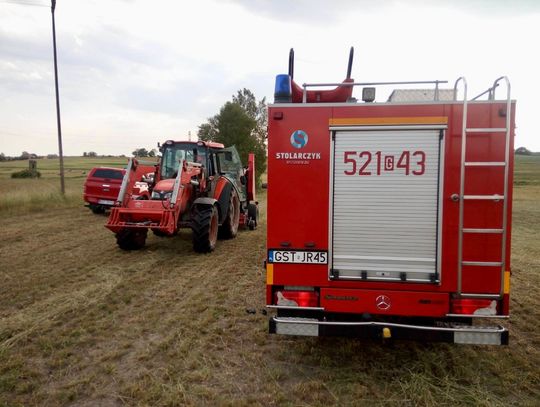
column 105, row 202
column 293, row 256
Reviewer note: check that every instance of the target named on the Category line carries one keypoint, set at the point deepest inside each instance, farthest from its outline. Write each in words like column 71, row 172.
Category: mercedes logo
column 383, row 302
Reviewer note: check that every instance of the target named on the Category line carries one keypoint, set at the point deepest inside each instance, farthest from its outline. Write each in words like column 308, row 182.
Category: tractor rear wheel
column 204, row 224
column 253, row 216
column 229, row 227
column 131, row 239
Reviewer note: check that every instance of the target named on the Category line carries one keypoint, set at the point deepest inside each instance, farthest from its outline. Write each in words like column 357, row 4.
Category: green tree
column 256, row 110
column 140, row 152
column 241, row 123
column 208, row 131
column 523, row 151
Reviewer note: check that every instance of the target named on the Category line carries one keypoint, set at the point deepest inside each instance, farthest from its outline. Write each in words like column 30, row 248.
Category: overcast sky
column 133, row 73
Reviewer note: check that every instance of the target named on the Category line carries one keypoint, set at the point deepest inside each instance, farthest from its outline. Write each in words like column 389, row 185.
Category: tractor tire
column 159, row 233
column 253, row 216
column 204, row 224
column 229, row 227
column 131, row 239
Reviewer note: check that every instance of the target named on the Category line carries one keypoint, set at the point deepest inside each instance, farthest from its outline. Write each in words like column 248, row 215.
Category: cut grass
column 83, row 323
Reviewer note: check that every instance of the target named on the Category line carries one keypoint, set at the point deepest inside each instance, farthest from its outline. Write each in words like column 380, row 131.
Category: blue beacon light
column 283, row 89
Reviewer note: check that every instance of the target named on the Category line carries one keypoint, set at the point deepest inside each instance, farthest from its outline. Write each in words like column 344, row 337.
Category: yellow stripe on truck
column 506, row 282
column 377, row 121
column 269, row 274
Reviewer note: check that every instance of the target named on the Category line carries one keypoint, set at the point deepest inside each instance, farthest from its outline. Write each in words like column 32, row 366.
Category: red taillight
column 296, row 298
column 469, row 306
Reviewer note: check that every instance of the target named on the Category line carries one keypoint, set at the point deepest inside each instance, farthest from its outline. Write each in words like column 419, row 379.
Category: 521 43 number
column 412, row 163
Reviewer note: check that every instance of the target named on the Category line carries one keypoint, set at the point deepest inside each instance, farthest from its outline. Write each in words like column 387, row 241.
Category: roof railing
column 305, row 86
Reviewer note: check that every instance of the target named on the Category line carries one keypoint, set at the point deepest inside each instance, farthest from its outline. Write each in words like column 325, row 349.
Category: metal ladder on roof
column 490, row 132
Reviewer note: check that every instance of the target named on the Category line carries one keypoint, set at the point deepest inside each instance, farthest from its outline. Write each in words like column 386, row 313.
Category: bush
column 523, row 151
column 26, row 174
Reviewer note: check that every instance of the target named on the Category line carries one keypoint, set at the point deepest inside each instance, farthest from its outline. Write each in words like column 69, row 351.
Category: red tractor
column 198, row 185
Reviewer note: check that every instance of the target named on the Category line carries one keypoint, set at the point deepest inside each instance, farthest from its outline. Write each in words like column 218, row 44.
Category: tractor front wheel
column 131, row 239
column 204, row 224
column 229, row 228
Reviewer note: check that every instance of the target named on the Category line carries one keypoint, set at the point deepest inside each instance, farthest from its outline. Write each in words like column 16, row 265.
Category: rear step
column 464, row 334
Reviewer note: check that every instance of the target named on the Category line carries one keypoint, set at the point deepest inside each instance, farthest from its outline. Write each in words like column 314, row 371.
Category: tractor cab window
column 229, row 162
column 174, row 154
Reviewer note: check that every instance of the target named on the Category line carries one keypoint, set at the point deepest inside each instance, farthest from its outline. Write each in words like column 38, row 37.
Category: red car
column 103, row 184
column 101, row 188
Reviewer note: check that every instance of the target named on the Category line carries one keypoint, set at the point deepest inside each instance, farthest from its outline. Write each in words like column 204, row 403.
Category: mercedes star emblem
column 383, row 302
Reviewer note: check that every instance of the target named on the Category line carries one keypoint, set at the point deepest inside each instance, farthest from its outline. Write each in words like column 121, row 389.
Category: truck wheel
column 131, row 239
column 97, row 209
column 229, row 228
column 204, row 224
column 253, row 216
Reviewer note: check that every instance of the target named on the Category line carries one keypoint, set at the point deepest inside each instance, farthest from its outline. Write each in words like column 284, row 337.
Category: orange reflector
column 506, row 282
column 269, row 274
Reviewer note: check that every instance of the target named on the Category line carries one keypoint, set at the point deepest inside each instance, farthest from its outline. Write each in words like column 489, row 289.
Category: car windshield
column 173, row 154
column 108, row 173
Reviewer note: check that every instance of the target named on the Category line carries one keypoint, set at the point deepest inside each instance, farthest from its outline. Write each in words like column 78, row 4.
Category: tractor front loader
column 197, row 185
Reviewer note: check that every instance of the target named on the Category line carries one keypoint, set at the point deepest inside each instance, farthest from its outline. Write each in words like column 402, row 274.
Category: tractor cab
column 209, row 159
column 173, row 153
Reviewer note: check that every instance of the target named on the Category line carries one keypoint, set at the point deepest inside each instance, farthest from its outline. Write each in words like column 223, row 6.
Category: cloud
column 499, row 8
column 133, row 72
column 325, row 12
column 305, row 11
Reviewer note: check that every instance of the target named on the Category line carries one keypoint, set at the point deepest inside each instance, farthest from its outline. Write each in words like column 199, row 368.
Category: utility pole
column 60, row 151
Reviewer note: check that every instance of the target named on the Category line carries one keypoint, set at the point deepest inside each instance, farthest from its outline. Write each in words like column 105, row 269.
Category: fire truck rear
column 390, row 219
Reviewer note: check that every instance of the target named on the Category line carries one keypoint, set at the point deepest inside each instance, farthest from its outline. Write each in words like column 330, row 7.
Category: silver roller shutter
column 385, row 225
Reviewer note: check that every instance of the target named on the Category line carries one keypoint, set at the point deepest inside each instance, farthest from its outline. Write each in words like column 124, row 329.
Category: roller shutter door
column 385, row 205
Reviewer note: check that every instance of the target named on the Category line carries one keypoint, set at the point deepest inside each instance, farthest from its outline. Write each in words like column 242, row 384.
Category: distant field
column 527, row 171
column 18, row 195
column 83, row 323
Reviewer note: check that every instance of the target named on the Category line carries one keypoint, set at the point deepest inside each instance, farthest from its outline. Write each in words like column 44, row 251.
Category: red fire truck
column 389, row 219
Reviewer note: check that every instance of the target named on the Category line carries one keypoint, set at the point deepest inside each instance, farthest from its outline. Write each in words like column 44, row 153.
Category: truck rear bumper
column 374, row 329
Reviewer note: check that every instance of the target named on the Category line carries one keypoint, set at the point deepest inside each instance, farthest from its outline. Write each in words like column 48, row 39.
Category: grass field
column 83, row 323
column 19, row 196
